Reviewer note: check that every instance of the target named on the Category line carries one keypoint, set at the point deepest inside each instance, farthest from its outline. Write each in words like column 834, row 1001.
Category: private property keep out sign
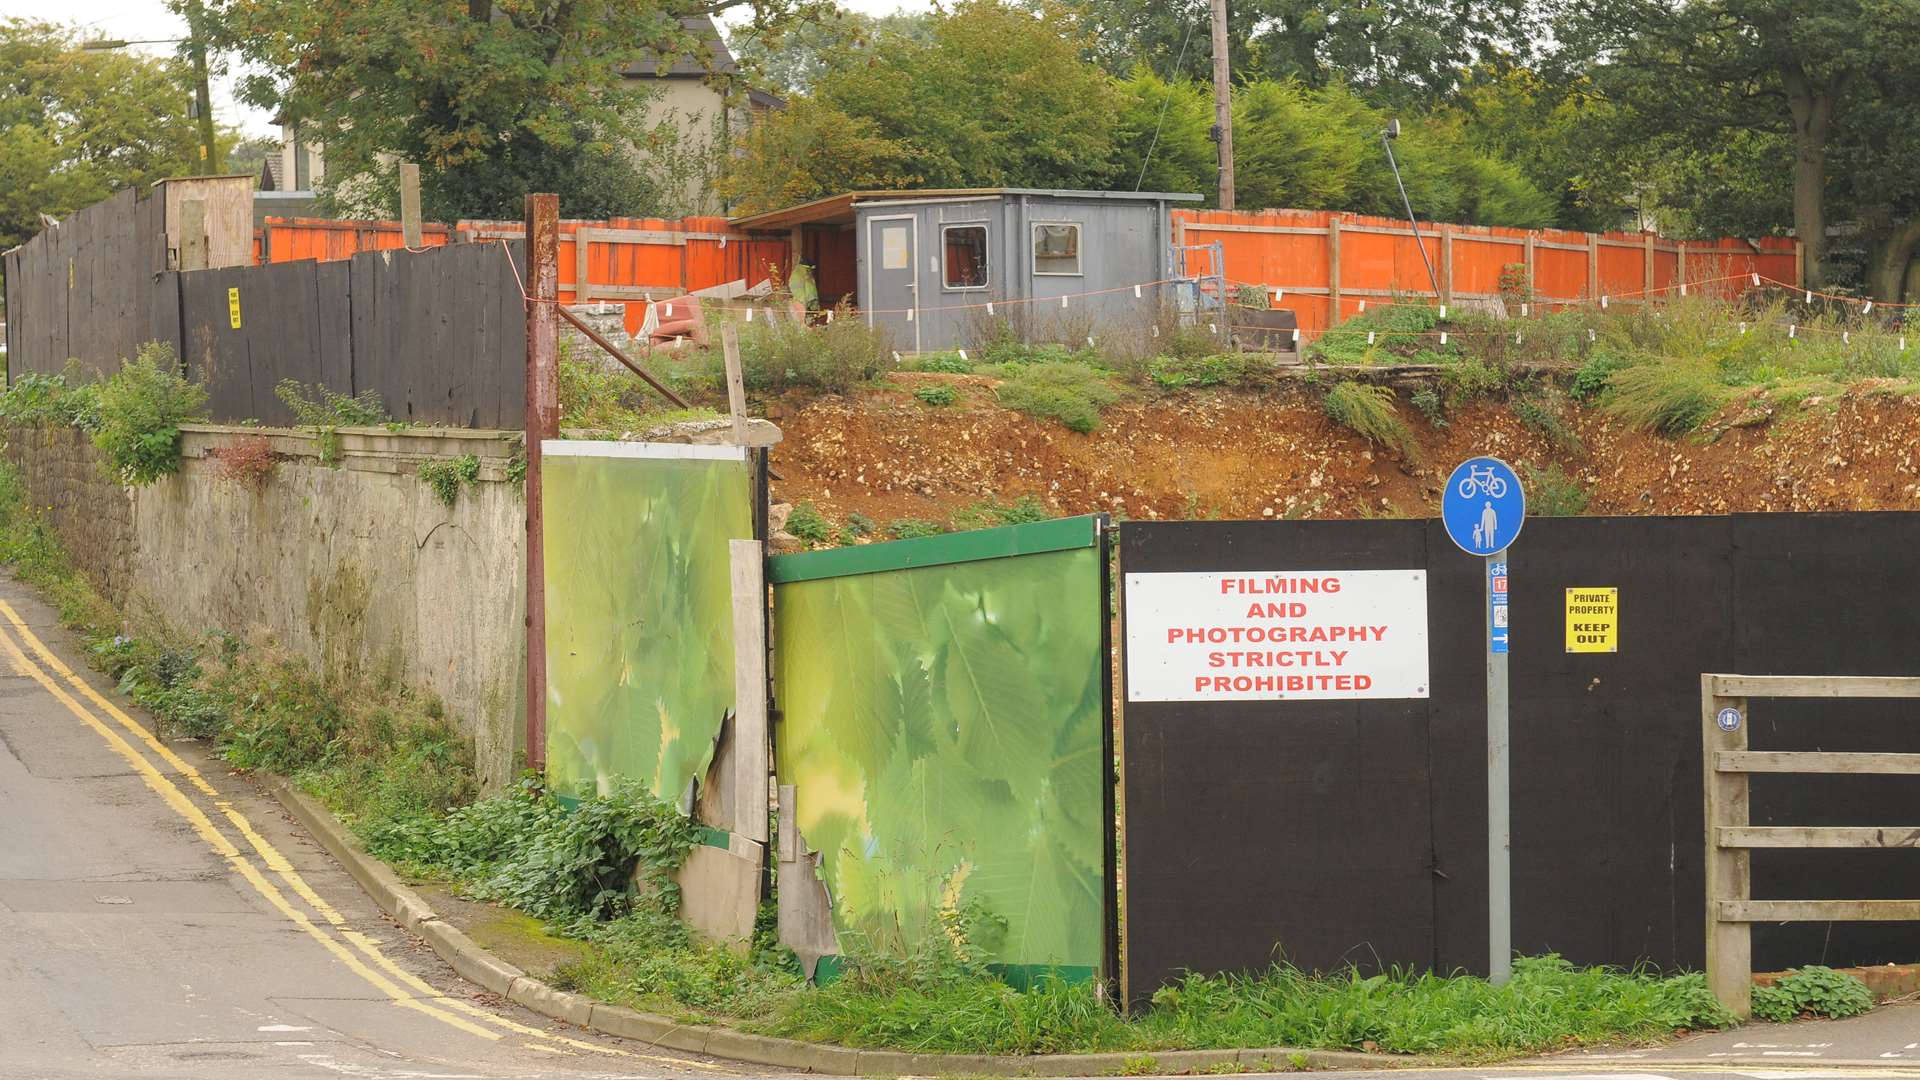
column 1295, row 634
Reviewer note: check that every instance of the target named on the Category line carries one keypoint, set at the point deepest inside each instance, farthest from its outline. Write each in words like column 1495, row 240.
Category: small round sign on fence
column 1728, row 719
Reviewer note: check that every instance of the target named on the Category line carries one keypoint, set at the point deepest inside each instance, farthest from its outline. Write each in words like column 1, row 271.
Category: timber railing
column 1731, row 840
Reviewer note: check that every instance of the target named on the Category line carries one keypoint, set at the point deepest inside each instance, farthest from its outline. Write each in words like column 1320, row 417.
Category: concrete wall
column 358, row 568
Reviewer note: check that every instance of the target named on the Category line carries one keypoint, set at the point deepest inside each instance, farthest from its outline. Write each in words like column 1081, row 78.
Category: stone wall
column 357, row 566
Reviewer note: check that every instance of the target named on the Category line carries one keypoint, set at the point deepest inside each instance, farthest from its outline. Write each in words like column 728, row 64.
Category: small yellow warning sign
column 233, row 307
column 1593, row 620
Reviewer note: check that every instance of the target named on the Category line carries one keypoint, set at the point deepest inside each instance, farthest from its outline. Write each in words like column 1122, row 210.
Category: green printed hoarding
column 639, row 609
column 943, row 720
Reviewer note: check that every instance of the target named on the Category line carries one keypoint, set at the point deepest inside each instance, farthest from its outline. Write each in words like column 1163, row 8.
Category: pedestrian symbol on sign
column 1728, row 719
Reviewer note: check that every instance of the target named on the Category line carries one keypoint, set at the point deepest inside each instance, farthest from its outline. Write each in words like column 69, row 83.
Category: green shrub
column 1427, row 400
column 51, row 399
column 989, row 513
column 1397, row 334
column 1072, row 393
column 1369, row 412
column 326, row 411
column 1467, row 380
column 937, row 395
column 1541, row 418
column 806, row 524
column 141, row 409
column 778, row 354
column 946, row 363
column 1552, row 493
column 1590, row 380
column 1218, row 369
column 447, row 475
column 1812, row 991
column 1671, row 397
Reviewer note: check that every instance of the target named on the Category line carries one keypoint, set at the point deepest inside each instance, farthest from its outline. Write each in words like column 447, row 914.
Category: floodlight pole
column 1386, row 142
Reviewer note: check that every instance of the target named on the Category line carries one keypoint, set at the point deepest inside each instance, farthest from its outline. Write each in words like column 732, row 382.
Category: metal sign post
column 1483, row 509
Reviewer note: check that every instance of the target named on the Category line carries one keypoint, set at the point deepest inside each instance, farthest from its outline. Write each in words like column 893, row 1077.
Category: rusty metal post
column 543, row 422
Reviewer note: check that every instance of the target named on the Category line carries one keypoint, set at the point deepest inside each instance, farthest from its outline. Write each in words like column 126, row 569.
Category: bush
column 946, row 363
column 1812, row 991
column 1219, row 369
column 246, row 462
column 806, row 524
column 1072, row 393
column 141, row 409
column 913, row 528
column 989, row 514
column 778, row 354
column 1543, row 419
column 1427, row 400
column 937, row 395
column 51, row 399
column 1369, row 412
column 1590, row 381
column 1397, row 329
column 1467, row 380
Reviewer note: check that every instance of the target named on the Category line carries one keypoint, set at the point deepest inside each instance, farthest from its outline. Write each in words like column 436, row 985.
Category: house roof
column 687, row 66
column 838, row 209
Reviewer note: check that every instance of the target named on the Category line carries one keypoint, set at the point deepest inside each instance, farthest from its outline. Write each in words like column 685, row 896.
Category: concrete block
column 545, row 1000
column 470, row 961
column 649, row 1029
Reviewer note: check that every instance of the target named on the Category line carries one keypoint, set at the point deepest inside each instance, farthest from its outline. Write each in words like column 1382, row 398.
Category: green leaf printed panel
column 941, row 726
column 639, row 617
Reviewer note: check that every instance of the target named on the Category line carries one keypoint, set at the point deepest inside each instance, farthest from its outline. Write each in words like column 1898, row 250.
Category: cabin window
column 966, row 247
column 1056, row 249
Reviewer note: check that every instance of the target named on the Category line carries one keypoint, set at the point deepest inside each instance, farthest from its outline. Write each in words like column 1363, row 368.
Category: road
column 160, row 917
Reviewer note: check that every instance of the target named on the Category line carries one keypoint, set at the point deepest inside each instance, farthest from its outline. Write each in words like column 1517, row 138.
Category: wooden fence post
column 1527, row 262
column 542, row 422
column 1593, row 266
column 1680, row 262
column 1446, row 264
column 751, row 757
column 1646, row 293
column 1800, row 263
column 1729, row 870
column 736, row 382
column 410, row 204
column 1333, row 271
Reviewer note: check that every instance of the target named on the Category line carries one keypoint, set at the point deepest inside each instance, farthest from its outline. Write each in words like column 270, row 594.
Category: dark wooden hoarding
column 1331, row 833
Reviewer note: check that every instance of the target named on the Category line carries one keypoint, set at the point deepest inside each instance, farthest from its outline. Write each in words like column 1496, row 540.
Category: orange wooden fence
column 1326, row 265
column 621, row 260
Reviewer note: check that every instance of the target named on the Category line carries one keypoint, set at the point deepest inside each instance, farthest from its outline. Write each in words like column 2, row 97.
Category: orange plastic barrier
column 1326, row 265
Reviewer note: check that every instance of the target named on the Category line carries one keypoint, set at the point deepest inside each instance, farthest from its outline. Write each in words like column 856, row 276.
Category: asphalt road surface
column 160, row 917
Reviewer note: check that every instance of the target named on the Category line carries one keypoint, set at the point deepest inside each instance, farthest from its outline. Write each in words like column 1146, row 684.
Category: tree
column 1547, row 128
column 1698, row 71
column 76, row 125
column 994, row 96
column 793, row 58
column 1402, row 53
column 492, row 97
column 1162, row 135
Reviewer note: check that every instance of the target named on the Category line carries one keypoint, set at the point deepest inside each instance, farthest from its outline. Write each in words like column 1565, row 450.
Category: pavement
column 161, row 916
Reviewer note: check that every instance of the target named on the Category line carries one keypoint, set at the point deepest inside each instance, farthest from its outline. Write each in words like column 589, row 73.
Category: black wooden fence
column 439, row 334
column 1333, row 832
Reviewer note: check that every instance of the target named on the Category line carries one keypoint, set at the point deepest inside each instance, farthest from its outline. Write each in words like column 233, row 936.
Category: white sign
column 1293, row 634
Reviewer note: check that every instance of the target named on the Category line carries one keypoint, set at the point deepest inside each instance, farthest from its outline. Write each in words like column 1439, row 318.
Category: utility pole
column 1223, row 103
column 203, row 100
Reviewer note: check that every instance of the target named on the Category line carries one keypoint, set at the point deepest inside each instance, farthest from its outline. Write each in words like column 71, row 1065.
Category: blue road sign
column 1728, row 719
column 1483, row 506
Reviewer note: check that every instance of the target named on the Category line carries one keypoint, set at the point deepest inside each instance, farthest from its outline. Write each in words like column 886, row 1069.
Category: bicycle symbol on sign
column 1482, row 478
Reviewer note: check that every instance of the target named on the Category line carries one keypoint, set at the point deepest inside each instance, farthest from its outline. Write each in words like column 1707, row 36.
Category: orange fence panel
column 1328, row 266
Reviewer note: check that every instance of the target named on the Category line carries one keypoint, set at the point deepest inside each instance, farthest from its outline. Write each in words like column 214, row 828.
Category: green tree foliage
column 1404, row 53
column 494, row 99
column 995, row 95
column 76, row 125
column 792, row 58
column 1767, row 95
column 1162, row 134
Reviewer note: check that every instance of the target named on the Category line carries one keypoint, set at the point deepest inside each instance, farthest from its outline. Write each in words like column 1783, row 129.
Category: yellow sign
column 1593, row 620
column 233, row 307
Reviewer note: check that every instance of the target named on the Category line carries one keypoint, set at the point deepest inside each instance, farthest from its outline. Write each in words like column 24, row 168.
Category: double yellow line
column 365, row 957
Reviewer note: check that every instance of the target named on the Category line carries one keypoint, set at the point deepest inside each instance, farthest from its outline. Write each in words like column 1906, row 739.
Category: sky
column 136, row 19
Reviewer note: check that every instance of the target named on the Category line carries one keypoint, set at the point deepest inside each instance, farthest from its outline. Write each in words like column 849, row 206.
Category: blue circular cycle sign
column 1483, row 506
column 1728, row 719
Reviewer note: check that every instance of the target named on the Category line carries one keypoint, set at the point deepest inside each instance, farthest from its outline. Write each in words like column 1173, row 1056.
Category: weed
column 806, row 524
column 1552, row 493
column 989, row 513
column 937, row 395
column 517, row 469
column 1671, row 397
column 1812, row 991
column 946, row 363
column 141, row 409
column 778, row 354
column 1398, row 334
column 859, row 525
column 446, row 476
column 1543, row 419
column 1219, row 369
column 1469, row 380
column 51, row 399
column 1140, row 1065
column 1427, row 400
column 913, row 528
column 1590, row 381
column 326, row 411
column 245, row 462
column 1072, row 393
column 1370, row 413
